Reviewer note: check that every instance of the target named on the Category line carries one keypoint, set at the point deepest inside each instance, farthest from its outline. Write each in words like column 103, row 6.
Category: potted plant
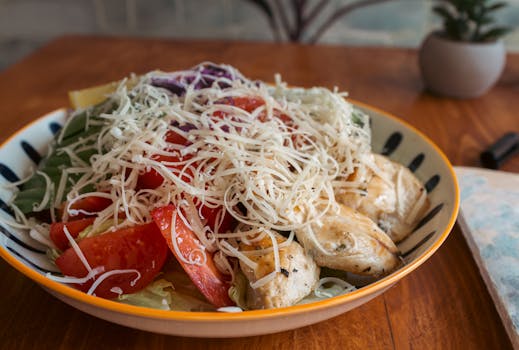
column 466, row 57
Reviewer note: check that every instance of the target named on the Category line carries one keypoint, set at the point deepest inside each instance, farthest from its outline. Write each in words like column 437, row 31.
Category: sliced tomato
column 57, row 231
column 175, row 138
column 249, row 104
column 205, row 276
column 92, row 204
column 152, row 179
column 284, row 118
column 211, row 216
column 140, row 248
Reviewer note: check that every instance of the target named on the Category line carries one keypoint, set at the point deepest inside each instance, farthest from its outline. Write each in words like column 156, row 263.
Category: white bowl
column 391, row 136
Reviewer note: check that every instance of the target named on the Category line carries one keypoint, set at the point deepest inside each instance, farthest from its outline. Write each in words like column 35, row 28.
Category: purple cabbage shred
column 209, row 72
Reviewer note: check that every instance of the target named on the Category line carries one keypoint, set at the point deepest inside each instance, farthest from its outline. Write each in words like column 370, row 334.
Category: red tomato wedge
column 206, row 277
column 152, row 179
column 57, row 231
column 91, row 204
column 140, row 248
column 249, row 104
column 173, row 137
column 210, row 215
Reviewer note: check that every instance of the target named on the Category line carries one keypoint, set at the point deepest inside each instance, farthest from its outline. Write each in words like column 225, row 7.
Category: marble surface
column 489, row 218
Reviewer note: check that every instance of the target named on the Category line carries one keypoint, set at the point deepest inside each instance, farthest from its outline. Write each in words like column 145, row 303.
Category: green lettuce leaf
column 238, row 290
column 162, row 295
column 156, row 295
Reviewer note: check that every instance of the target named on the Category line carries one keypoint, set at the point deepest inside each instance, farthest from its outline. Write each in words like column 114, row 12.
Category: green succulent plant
column 470, row 20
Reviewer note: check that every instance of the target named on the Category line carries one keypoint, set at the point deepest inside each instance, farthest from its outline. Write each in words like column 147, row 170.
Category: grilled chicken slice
column 350, row 241
column 394, row 198
column 298, row 276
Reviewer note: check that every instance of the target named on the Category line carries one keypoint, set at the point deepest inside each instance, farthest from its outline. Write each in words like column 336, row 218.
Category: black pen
column 504, row 148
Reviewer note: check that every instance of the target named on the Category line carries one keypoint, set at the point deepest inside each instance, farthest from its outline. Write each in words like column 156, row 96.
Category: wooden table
column 444, row 304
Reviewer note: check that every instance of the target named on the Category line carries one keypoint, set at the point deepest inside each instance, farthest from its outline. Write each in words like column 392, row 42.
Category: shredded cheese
column 76, row 248
column 231, row 309
column 275, row 166
column 75, row 280
column 107, row 274
column 322, row 292
column 46, row 198
column 277, row 160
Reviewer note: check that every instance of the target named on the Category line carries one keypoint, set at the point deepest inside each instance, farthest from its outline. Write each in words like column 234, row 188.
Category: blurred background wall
column 27, row 24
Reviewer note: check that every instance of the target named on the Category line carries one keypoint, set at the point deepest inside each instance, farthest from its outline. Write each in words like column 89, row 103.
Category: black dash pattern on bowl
column 429, row 216
column 41, row 269
column 31, row 152
column 6, row 208
column 416, row 162
column 392, row 143
column 418, row 245
column 54, row 127
column 8, row 174
column 432, row 183
column 15, row 239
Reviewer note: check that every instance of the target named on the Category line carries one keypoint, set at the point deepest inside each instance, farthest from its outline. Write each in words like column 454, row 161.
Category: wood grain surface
column 442, row 305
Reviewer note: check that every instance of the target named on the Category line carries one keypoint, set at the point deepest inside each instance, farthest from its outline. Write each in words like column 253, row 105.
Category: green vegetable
column 53, row 254
column 162, row 295
column 90, row 232
column 238, row 290
column 156, row 295
column 359, row 118
column 173, row 290
column 82, row 126
column 185, row 302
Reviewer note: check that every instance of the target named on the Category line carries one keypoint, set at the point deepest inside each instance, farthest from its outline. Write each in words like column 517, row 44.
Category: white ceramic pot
column 460, row 69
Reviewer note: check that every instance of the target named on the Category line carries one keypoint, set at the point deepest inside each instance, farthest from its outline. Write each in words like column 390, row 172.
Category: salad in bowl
column 203, row 190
